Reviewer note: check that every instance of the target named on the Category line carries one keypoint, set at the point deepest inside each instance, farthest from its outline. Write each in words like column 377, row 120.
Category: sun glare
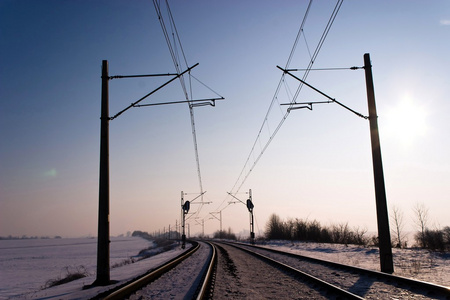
column 406, row 121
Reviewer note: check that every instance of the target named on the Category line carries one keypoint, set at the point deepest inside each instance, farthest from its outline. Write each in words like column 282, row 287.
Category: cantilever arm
column 323, row 94
column 152, row 92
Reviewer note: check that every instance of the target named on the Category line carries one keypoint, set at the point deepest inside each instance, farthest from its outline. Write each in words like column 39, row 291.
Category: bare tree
column 274, row 227
column 397, row 227
column 421, row 220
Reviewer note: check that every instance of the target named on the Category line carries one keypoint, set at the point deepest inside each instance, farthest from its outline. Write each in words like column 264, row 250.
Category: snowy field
column 26, row 265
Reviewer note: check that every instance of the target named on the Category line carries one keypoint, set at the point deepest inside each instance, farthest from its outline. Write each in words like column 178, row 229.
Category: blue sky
column 318, row 165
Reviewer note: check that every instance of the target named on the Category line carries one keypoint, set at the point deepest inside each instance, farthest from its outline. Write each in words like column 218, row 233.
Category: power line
column 300, row 31
column 237, row 186
column 175, row 58
column 270, row 108
column 267, row 114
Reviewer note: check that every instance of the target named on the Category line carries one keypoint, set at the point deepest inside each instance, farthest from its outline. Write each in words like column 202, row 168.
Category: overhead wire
column 257, row 140
column 176, row 60
column 191, row 110
column 317, row 50
column 302, row 25
column 312, row 60
column 239, row 183
column 270, row 108
column 306, row 43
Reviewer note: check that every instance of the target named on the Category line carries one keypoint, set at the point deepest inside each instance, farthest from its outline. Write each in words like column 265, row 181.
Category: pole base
column 100, row 283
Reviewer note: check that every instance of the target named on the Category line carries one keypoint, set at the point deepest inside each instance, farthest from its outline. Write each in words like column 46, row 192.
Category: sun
column 406, row 121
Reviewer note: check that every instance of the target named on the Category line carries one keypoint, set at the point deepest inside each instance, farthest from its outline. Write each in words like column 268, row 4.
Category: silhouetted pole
column 103, row 272
column 103, row 277
column 384, row 235
column 185, row 209
column 250, row 207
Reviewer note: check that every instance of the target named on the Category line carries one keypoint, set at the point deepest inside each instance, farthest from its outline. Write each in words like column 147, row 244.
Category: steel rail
column 136, row 285
column 400, row 279
column 332, row 288
column 209, row 274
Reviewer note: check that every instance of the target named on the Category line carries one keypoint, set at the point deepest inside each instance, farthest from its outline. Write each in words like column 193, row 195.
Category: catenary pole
column 103, row 244
column 384, row 236
column 103, row 275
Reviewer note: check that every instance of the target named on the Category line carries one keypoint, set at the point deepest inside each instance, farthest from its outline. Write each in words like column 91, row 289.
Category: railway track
column 220, row 270
column 187, row 276
column 243, row 276
column 367, row 284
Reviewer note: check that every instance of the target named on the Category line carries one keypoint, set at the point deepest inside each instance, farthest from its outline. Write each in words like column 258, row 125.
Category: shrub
column 435, row 240
column 124, row 262
column 166, row 245
column 275, row 228
column 446, row 233
column 160, row 245
column 71, row 275
column 303, row 230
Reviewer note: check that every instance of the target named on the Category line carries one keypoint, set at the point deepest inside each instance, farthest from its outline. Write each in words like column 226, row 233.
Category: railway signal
column 185, row 207
column 250, row 207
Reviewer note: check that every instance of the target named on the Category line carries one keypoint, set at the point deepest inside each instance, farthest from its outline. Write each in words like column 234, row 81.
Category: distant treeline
column 313, row 231
column 222, row 234
column 24, row 237
column 142, row 234
column 168, row 235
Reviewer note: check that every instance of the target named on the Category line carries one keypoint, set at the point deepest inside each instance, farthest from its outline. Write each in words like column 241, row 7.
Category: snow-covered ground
column 26, row 265
column 412, row 263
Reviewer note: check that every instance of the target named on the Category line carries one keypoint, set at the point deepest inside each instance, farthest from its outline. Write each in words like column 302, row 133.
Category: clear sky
column 319, row 164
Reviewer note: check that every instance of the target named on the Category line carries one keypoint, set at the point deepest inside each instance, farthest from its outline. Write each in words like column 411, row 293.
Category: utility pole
column 103, row 255
column 203, row 228
column 220, row 220
column 103, row 275
column 384, row 236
